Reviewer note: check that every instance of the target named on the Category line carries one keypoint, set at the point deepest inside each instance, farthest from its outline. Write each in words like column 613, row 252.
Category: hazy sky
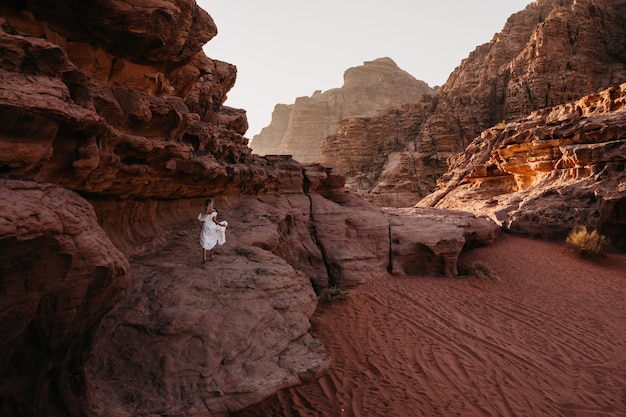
column 284, row 49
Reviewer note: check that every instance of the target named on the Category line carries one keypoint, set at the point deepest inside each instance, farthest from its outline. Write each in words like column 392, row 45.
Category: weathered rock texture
column 370, row 153
column 551, row 53
column 416, row 248
column 76, row 114
column 545, row 174
column 59, row 274
column 113, row 130
column 298, row 129
column 212, row 338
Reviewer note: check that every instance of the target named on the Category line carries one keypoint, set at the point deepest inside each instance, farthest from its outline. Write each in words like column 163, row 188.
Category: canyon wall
column 298, row 129
column 552, row 52
column 545, row 174
column 113, row 131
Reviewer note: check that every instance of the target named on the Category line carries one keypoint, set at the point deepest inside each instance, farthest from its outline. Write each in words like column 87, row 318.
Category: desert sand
column 547, row 339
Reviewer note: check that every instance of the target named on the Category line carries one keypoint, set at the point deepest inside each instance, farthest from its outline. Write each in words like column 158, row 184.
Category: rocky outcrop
column 206, row 339
column 59, row 275
column 220, row 336
column 370, row 153
column 113, row 130
column 78, row 115
column 416, row 244
column 552, row 52
column 547, row 173
column 298, row 129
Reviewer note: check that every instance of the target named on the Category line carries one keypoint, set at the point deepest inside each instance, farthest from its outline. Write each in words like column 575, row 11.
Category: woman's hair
column 208, row 206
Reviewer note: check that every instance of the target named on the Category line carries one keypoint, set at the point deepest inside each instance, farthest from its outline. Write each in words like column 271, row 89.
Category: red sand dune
column 549, row 339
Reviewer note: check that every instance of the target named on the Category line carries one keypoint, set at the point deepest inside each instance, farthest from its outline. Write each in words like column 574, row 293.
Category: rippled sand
column 548, row 339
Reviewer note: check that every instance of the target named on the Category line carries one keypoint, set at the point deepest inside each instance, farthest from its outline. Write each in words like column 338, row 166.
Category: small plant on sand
column 333, row 293
column 588, row 244
column 481, row 271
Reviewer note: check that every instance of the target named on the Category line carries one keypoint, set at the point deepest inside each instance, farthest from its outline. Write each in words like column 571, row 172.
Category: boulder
column 428, row 241
column 59, row 275
column 204, row 339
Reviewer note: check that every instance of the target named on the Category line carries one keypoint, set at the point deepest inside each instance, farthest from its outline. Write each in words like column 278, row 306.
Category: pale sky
column 284, row 49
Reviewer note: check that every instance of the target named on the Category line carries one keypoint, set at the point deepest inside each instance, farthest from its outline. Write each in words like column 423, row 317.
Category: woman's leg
column 203, row 255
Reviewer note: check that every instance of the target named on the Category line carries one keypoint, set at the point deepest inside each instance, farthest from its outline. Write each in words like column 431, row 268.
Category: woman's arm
column 218, row 222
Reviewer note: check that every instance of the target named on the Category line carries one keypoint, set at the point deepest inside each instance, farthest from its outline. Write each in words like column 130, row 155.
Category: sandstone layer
column 545, row 174
column 552, row 52
column 298, row 129
column 113, row 130
column 59, row 274
column 210, row 339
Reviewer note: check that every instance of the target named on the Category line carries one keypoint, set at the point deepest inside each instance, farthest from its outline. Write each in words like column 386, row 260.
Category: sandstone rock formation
column 369, row 150
column 551, row 53
column 214, row 338
column 59, row 274
column 298, row 129
column 113, row 130
column 416, row 248
column 547, row 173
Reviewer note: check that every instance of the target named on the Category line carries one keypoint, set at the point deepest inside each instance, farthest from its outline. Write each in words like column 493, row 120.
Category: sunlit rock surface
column 552, row 52
column 298, row 129
column 545, row 174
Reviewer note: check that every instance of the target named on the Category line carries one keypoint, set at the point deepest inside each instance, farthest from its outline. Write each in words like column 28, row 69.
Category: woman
column 213, row 233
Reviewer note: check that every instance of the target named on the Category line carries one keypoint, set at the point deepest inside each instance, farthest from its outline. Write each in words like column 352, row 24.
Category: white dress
column 212, row 234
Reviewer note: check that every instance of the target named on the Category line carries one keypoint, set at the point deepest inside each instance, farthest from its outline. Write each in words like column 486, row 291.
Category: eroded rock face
column 76, row 114
column 115, row 101
column 551, row 53
column 549, row 172
column 204, row 339
column 371, row 154
column 298, row 129
column 217, row 337
column 416, row 244
column 59, row 275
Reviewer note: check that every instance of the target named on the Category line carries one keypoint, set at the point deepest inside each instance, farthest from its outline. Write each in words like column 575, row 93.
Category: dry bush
column 332, row 294
column 481, row 271
column 588, row 244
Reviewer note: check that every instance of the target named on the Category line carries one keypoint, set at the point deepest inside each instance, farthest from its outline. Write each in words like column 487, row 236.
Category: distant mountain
column 298, row 129
column 552, row 52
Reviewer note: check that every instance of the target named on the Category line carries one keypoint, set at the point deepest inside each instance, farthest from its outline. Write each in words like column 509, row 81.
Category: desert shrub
column 481, row 271
column 588, row 244
column 333, row 293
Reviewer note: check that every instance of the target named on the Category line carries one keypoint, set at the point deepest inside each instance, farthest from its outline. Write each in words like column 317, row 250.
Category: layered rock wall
column 298, row 129
column 116, row 102
column 551, row 53
column 543, row 175
column 113, row 131
column 76, row 114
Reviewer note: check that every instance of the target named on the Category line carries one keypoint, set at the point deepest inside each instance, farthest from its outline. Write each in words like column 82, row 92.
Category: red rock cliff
column 113, row 130
column 298, row 129
column 115, row 101
column 551, row 53
column 547, row 173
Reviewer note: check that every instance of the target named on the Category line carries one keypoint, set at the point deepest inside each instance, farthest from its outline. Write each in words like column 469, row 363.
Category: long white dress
column 212, row 234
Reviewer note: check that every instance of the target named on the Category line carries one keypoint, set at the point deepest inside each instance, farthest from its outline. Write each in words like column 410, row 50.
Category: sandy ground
column 548, row 339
